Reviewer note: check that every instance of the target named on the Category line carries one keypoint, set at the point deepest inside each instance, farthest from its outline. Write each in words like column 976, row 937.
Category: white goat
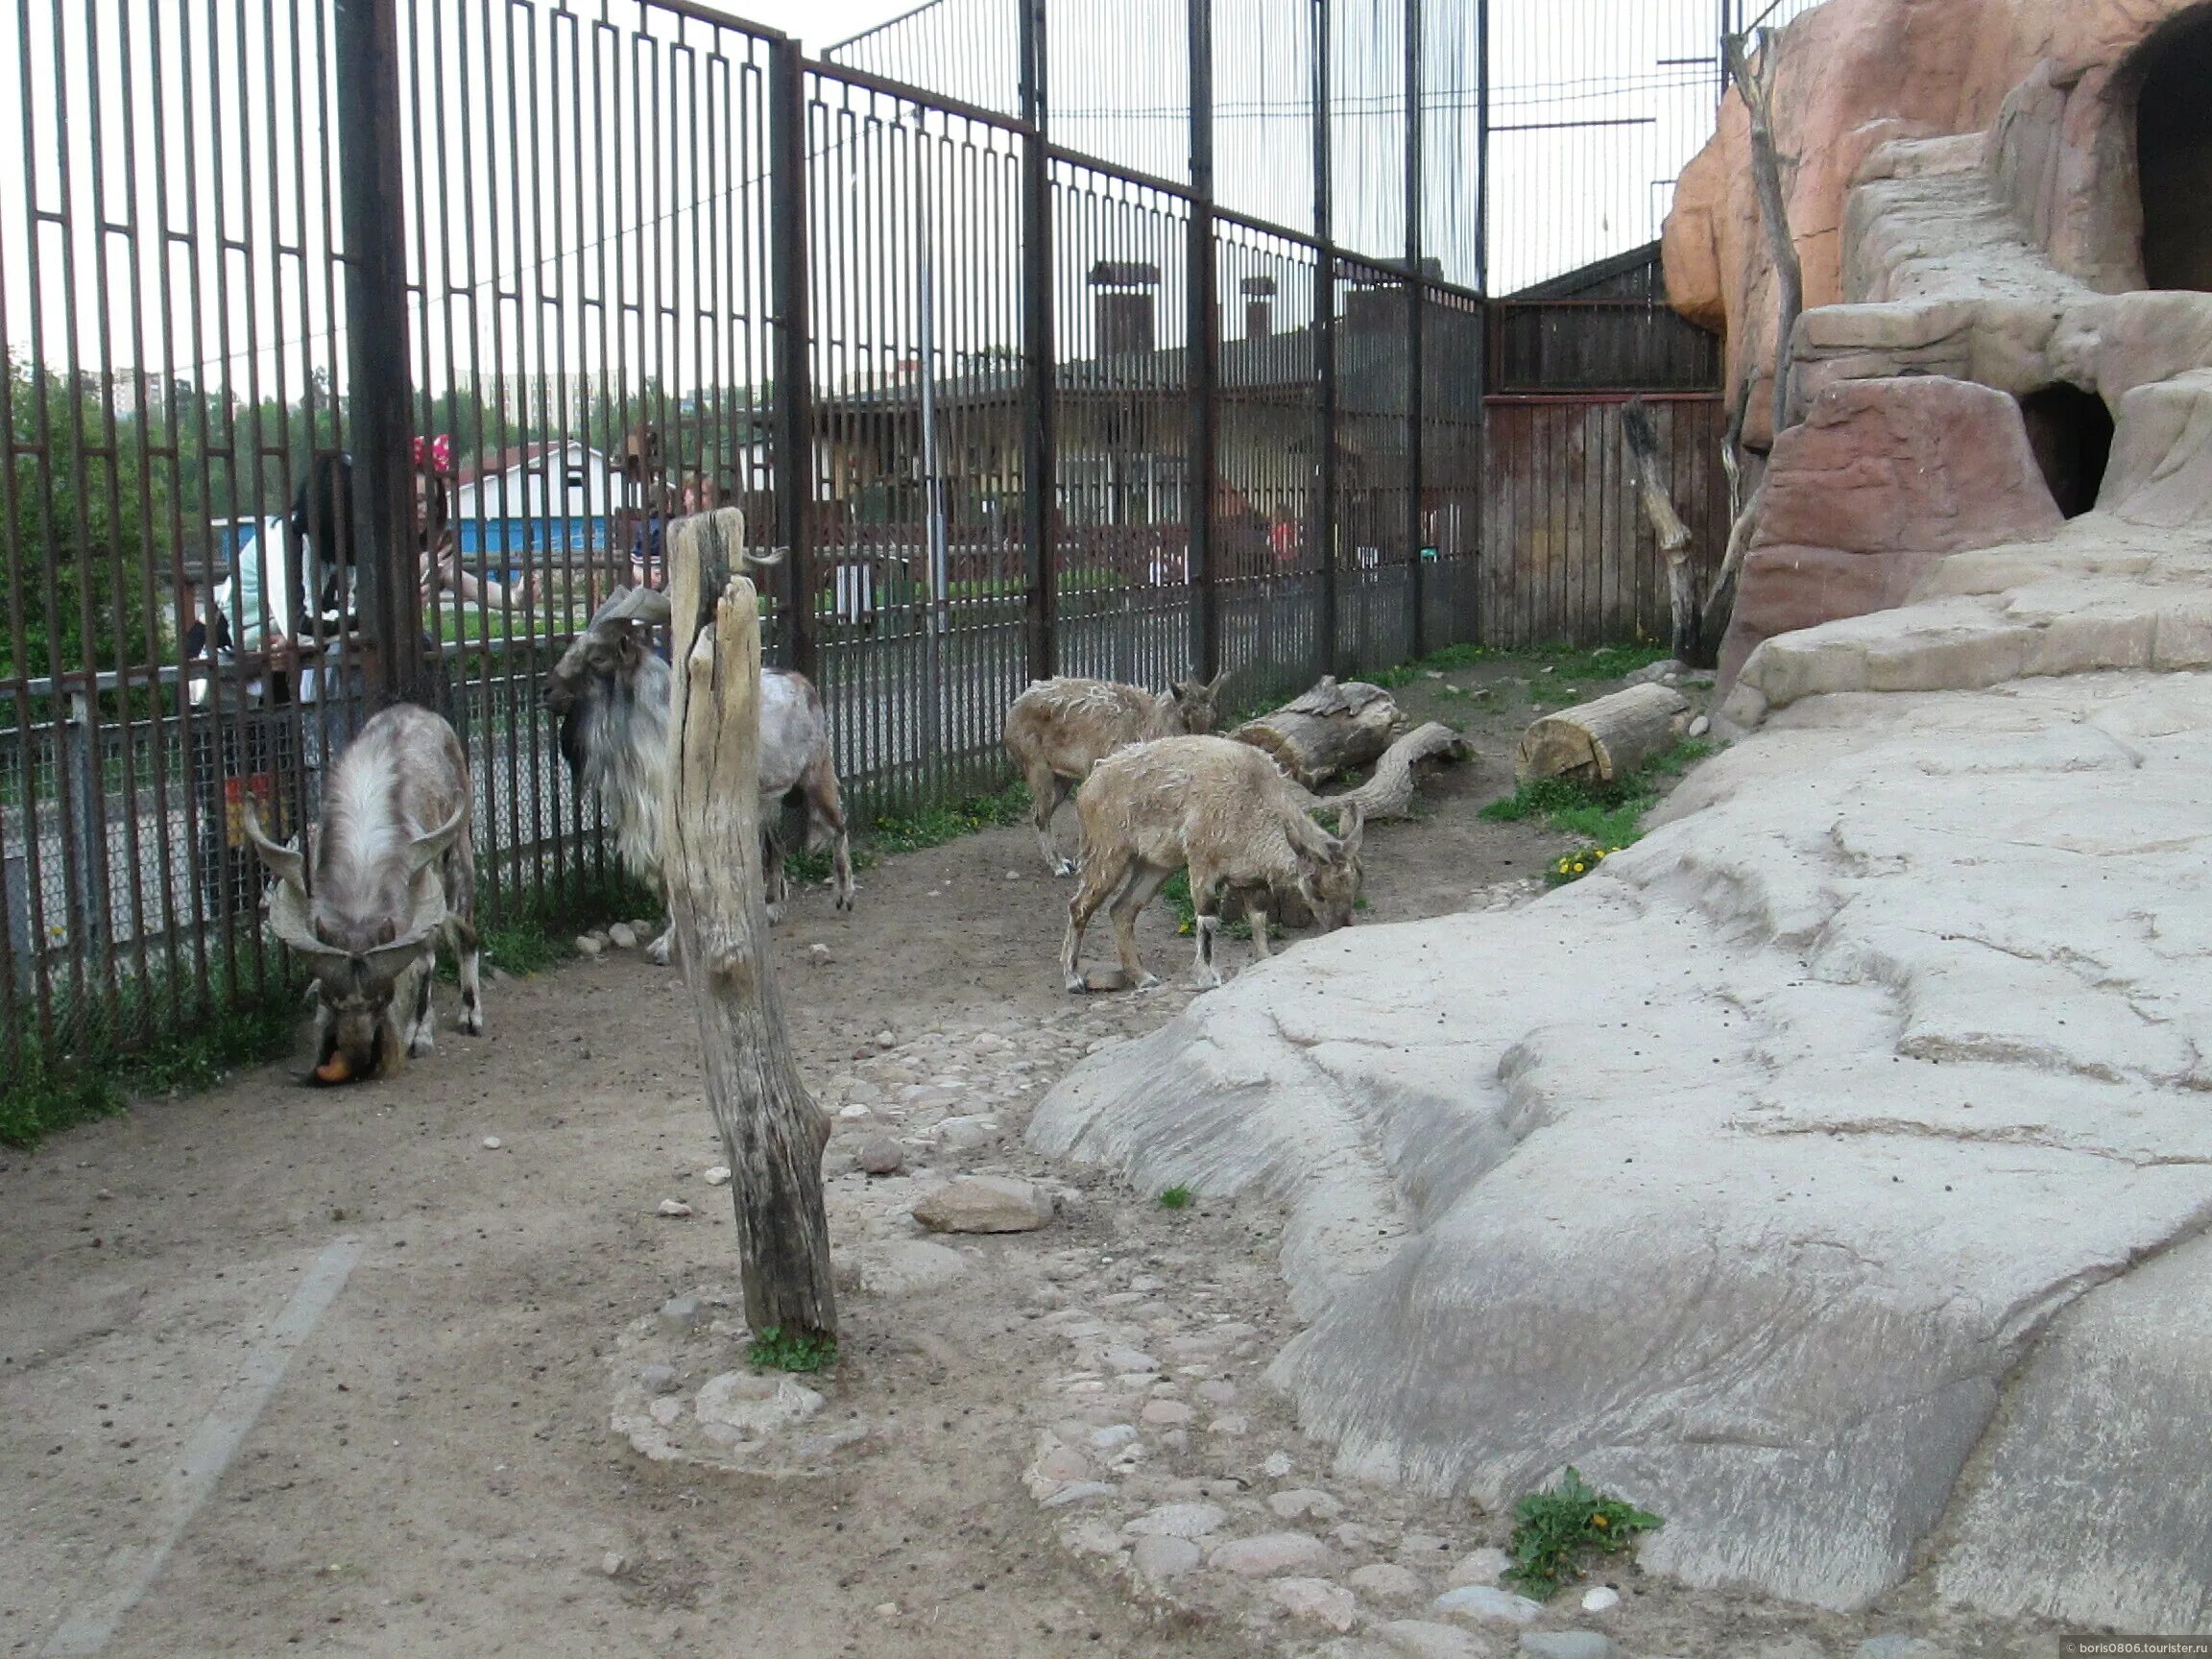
column 1059, row 728
column 392, row 870
column 1221, row 810
column 611, row 694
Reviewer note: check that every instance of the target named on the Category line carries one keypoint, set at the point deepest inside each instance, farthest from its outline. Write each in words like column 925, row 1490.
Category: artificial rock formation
column 1830, row 1174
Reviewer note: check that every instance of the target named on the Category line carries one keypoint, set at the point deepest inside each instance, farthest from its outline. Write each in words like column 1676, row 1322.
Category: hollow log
column 772, row 1132
column 1389, row 793
column 1333, row 728
column 1596, row 742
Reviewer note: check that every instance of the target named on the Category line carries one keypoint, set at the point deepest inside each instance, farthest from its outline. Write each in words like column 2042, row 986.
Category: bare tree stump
column 1389, row 793
column 1332, row 728
column 1666, row 525
column 772, row 1132
column 1597, row 742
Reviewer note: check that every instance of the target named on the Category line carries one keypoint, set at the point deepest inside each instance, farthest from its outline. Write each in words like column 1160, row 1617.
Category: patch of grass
column 1554, row 1531
column 777, row 1350
column 538, row 931
column 934, row 826
column 1609, row 815
column 1564, row 664
column 1176, row 1199
column 100, row 1079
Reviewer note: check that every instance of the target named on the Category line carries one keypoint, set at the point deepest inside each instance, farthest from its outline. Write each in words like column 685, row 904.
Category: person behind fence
column 648, row 545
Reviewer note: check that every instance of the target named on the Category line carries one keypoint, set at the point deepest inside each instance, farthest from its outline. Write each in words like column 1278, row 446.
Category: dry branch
column 1389, row 793
column 1596, row 742
column 1666, row 525
column 1333, row 728
column 1758, row 90
column 772, row 1132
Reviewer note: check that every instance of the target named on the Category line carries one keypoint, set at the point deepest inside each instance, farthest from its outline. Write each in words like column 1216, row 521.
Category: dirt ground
column 436, row 1472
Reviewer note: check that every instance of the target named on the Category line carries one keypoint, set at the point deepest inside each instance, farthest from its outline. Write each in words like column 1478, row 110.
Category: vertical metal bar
column 794, row 401
column 1324, row 348
column 1481, row 146
column 1040, row 442
column 1416, row 308
column 1200, row 349
column 373, row 208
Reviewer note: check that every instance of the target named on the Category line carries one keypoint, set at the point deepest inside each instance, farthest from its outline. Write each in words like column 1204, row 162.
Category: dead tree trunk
column 1389, row 793
column 1332, row 729
column 772, row 1132
column 1666, row 525
column 1596, row 742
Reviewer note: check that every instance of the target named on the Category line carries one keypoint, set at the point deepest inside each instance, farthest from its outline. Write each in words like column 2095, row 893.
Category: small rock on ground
column 1418, row 1639
column 1385, row 1582
column 1603, row 1599
column 1491, row 1606
column 1178, row 1521
column 1159, row 1557
column 588, row 946
column 491, row 1143
column 1269, row 1554
column 675, row 1208
column 1485, row 1566
column 881, row 1155
column 1317, row 1599
column 909, row 1267
column 1568, row 1645
column 622, row 936
column 717, row 1175
column 1304, row 1500
column 985, row 1203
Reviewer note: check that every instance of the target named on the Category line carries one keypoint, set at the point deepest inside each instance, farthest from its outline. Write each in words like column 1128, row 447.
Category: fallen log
column 1596, row 742
column 1333, row 728
column 1389, row 793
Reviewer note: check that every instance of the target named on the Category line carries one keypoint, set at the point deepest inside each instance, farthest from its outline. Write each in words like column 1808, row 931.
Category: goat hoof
column 1065, row 867
column 471, row 1026
column 1150, row 982
column 421, row 1045
column 1076, row 987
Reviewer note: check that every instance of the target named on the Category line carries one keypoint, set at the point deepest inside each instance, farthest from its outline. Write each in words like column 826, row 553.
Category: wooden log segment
column 1333, row 728
column 1390, row 792
column 1596, row 742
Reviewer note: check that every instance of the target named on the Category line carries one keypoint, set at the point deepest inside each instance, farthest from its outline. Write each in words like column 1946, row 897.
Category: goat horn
column 426, row 848
column 289, row 920
column 651, row 607
column 387, row 961
column 285, row 863
column 616, row 606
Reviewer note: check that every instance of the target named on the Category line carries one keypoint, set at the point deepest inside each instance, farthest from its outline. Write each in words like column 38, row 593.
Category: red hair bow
column 436, row 453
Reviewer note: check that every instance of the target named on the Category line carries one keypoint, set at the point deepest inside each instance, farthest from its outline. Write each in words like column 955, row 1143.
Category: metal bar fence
column 1183, row 368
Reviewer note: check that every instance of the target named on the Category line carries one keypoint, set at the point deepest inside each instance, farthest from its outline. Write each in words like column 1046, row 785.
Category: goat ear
column 1351, row 831
column 1219, row 680
column 651, row 607
column 426, row 849
column 286, row 863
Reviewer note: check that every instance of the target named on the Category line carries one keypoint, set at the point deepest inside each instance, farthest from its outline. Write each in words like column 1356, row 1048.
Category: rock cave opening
column 2173, row 153
column 2071, row 432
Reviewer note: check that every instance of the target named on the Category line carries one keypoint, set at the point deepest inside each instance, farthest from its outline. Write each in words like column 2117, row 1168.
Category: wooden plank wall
column 1567, row 555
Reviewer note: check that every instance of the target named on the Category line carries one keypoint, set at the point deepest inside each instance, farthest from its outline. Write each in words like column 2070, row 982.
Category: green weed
column 1554, row 1531
column 777, row 1350
column 1609, row 815
column 1176, row 1199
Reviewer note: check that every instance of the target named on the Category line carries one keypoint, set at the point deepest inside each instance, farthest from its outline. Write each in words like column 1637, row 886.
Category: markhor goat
column 1059, row 728
column 392, row 871
column 611, row 694
column 1221, row 810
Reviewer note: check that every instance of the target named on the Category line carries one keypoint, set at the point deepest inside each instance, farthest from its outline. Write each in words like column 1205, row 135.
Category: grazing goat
column 611, row 694
column 392, row 871
column 1221, row 810
column 1059, row 728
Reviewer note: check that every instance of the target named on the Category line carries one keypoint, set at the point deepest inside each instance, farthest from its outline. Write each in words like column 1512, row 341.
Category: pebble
column 1092, row 1538
column 657, row 1379
column 1277, row 1465
column 716, row 1175
column 1492, row 1605
column 1232, row 1427
column 881, row 1155
column 1129, row 1360
column 985, row 1203
column 622, row 936
column 1317, row 1599
column 1568, row 1645
column 1603, row 1599
column 665, row 1410
column 1064, row 1463
column 887, row 1609
column 1178, row 1521
column 675, row 1208
column 1174, row 1414
column 492, row 1143
column 965, row 1134
column 1078, row 1492
column 853, row 1112
column 1484, row 1566
column 1161, row 1556
column 1304, row 1500
column 588, row 946
column 1700, row 726
column 884, row 1039
column 1269, row 1554
column 1013, row 875
column 680, row 1313
column 818, row 953
column 1112, row 1435
column 1417, row 1639
column 1385, row 1582
column 613, row 1563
